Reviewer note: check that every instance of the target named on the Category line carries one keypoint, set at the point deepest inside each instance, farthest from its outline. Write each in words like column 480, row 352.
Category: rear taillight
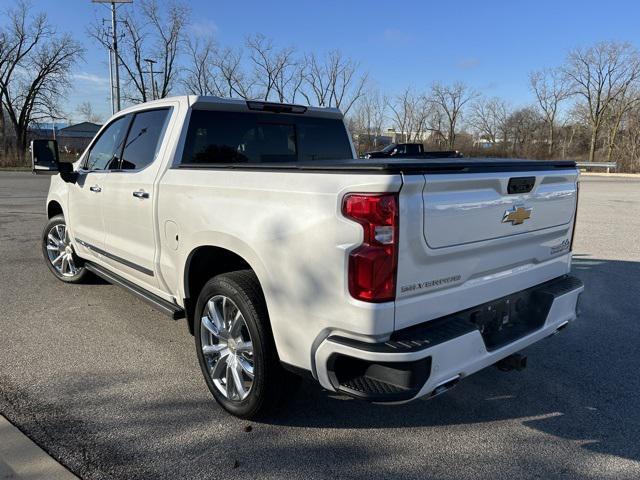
column 373, row 265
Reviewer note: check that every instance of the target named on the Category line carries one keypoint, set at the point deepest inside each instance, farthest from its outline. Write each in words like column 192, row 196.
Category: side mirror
column 44, row 156
column 45, row 160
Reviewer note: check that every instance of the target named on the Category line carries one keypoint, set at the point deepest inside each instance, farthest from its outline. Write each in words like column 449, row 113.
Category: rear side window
column 217, row 137
column 144, row 137
column 410, row 149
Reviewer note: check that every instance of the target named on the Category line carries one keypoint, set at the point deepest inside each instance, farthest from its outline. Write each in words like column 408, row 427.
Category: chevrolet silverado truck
column 287, row 255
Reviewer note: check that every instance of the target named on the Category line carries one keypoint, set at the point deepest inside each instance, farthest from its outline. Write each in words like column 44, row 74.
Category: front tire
column 235, row 345
column 59, row 254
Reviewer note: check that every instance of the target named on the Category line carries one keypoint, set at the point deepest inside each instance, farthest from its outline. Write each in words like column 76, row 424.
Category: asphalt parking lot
column 112, row 389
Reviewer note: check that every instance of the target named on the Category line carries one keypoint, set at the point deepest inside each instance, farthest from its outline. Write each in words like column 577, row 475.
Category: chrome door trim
column 121, row 260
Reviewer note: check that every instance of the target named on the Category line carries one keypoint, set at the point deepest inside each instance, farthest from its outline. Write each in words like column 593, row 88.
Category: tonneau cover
column 404, row 165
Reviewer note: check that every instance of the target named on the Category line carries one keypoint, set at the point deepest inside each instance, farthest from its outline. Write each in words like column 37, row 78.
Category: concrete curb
column 21, row 459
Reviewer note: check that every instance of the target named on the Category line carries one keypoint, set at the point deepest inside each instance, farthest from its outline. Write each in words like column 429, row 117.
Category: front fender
column 59, row 193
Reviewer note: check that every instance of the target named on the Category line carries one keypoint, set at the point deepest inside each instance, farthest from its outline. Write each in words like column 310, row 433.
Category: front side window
column 216, row 137
column 105, row 152
column 143, row 141
column 389, row 148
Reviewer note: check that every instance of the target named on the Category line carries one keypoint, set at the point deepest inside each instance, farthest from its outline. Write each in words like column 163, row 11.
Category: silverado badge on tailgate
column 517, row 216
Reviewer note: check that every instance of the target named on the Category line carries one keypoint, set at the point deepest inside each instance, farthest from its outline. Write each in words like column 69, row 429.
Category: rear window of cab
column 216, row 137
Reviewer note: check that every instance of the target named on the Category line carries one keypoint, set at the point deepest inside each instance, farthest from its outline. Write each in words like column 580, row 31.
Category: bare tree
column 202, row 77
column 85, row 110
column 489, row 116
column 522, row 125
column 290, row 81
column 35, row 65
column 375, row 107
column 575, row 131
column 217, row 72
column 551, row 87
column 155, row 33
column 451, row 99
column 367, row 119
column 168, row 30
column 409, row 115
column 618, row 108
column 316, row 82
column 131, row 54
column 19, row 38
column 629, row 148
column 600, row 75
column 274, row 70
column 236, row 82
column 435, row 124
column 334, row 81
column 401, row 111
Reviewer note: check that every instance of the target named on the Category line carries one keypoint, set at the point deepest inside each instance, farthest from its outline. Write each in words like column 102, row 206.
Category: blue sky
column 490, row 45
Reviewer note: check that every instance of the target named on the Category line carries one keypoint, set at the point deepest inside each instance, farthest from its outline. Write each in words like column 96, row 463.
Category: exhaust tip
column 445, row 386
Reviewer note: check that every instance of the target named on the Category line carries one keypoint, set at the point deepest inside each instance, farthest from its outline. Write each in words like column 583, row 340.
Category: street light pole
column 153, row 83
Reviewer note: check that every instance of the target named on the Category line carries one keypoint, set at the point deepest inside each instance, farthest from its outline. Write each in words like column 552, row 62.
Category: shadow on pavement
column 581, row 385
column 584, row 381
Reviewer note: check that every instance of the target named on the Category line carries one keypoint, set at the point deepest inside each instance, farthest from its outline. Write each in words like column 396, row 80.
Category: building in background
column 75, row 138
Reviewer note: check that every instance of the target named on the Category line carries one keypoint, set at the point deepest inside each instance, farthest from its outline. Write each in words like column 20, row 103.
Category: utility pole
column 114, row 59
column 113, row 105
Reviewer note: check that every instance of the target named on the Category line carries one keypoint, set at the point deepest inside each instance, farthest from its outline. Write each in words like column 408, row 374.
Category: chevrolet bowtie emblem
column 517, row 216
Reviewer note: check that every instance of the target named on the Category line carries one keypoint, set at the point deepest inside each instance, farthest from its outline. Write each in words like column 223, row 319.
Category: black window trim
column 131, row 116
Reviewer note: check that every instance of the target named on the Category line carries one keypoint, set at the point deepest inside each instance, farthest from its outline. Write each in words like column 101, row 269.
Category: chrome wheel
column 60, row 252
column 227, row 348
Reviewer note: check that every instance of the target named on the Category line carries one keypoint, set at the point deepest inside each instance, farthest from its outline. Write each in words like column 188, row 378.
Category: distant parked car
column 410, row 150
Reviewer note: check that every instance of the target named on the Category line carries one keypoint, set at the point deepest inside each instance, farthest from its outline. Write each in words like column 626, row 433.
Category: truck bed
column 405, row 165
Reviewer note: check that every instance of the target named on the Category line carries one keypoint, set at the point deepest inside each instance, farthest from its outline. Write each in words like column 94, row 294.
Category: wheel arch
column 205, row 262
column 54, row 208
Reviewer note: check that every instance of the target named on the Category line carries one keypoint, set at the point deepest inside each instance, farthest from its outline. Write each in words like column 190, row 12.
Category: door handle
column 95, row 188
column 140, row 194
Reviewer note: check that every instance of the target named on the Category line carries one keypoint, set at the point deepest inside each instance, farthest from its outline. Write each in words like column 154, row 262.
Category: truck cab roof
column 235, row 105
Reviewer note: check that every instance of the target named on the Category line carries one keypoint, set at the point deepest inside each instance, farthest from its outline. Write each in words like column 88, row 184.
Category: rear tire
column 235, row 346
column 59, row 254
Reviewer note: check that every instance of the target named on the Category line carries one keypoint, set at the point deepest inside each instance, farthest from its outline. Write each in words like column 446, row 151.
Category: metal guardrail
column 607, row 165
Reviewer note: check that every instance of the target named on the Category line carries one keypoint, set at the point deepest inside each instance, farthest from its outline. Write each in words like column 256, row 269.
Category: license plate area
column 509, row 318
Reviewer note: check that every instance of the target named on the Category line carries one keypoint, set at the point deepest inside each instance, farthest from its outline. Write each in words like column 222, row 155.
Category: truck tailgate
column 465, row 239
column 461, row 209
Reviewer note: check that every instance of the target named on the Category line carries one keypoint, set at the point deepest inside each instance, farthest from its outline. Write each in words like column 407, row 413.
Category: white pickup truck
column 382, row 279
